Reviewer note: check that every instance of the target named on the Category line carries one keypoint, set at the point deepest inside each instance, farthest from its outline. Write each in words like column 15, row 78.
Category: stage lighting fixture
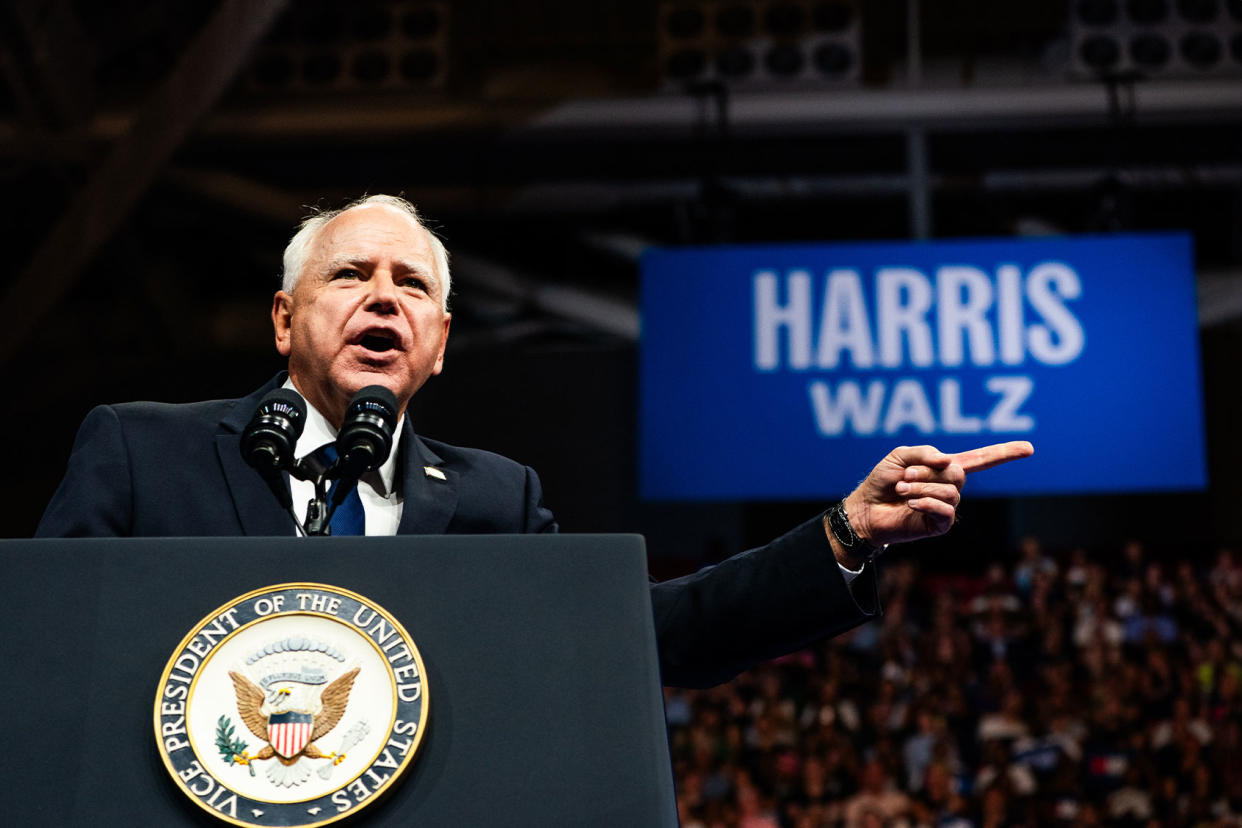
column 1097, row 12
column 419, row 65
column 386, row 44
column 273, row 70
column 760, row 44
column 421, row 22
column 1151, row 51
column 323, row 25
column 783, row 60
column 371, row 67
column 321, row 68
column 832, row 16
column 686, row 64
column 1198, row 11
column 1100, row 52
column 1147, row 12
column 736, row 21
column 784, row 19
column 685, row 22
column 371, row 23
column 1155, row 38
column 1201, row 50
column 833, row 59
column 735, row 62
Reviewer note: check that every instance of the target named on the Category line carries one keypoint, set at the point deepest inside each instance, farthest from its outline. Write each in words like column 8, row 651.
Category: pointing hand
column 913, row 492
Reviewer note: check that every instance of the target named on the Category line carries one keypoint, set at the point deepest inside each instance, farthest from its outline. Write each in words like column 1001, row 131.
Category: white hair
column 299, row 247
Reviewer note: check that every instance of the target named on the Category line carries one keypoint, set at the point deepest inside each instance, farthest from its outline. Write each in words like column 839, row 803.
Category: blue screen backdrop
column 786, row 372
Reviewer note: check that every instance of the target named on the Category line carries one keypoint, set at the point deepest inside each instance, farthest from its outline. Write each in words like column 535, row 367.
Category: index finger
column 989, row 456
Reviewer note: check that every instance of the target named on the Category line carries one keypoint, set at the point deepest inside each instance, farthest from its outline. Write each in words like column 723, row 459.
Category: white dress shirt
column 382, row 502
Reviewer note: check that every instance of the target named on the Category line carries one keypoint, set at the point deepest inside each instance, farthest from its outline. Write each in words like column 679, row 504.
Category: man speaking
column 363, row 302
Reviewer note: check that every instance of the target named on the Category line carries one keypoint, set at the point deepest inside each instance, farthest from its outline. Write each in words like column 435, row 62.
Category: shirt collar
column 318, row 431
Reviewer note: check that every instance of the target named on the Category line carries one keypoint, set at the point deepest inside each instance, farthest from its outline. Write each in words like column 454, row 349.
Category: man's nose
column 382, row 297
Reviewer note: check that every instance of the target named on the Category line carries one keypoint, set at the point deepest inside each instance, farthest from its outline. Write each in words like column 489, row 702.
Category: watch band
column 839, row 523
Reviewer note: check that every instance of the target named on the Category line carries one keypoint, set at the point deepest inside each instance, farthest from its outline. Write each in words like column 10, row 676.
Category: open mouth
column 379, row 341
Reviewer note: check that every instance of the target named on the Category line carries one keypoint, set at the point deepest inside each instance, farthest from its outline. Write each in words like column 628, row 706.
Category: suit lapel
column 430, row 502
column 257, row 509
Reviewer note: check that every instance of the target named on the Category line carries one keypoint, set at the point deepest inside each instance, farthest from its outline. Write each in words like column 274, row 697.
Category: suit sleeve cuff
column 850, row 574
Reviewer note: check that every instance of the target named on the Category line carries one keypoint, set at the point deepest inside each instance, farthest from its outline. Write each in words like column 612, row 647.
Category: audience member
column 1056, row 691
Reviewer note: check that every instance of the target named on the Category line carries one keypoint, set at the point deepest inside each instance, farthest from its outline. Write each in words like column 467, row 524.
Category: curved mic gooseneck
column 362, row 445
column 268, row 441
column 365, row 438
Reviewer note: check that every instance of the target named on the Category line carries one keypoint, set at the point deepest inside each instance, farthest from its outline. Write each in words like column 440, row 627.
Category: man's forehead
column 369, row 257
column 375, row 231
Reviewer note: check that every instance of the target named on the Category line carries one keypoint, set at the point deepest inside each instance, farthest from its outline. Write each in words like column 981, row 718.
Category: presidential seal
column 293, row 705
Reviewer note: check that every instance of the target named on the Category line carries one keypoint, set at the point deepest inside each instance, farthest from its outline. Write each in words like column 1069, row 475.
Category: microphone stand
column 362, row 444
column 319, row 511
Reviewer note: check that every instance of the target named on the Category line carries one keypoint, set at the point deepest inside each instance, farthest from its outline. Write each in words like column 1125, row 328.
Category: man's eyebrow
column 417, row 268
column 365, row 263
column 345, row 262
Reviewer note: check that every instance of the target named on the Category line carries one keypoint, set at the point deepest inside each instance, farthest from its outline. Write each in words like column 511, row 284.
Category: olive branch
column 232, row 750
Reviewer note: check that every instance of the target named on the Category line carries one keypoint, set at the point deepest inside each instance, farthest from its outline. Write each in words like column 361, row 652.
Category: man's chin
column 358, row 379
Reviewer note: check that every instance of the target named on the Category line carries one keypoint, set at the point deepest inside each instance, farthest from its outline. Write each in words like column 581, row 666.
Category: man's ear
column 282, row 321
column 439, row 366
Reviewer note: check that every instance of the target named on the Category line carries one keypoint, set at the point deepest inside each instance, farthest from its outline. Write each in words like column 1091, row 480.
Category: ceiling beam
column 243, row 194
column 895, row 110
column 204, row 72
column 594, row 311
column 1211, row 101
column 47, row 62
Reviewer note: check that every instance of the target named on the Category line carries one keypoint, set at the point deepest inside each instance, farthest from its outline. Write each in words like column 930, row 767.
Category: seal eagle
column 331, row 707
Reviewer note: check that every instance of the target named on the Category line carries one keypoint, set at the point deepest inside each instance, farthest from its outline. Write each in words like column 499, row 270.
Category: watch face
column 841, row 528
column 839, row 522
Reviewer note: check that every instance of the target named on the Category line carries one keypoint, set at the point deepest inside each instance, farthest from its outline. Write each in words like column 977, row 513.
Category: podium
column 544, row 692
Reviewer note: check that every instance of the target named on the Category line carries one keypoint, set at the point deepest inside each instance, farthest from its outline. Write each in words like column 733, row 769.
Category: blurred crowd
column 1053, row 690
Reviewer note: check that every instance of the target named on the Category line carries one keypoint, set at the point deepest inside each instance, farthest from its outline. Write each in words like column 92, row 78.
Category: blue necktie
column 349, row 518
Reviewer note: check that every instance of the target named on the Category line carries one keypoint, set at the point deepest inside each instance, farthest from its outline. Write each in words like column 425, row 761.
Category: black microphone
column 268, row 441
column 365, row 438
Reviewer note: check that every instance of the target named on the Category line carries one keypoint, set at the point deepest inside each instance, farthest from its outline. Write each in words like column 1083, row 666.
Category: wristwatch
column 854, row 546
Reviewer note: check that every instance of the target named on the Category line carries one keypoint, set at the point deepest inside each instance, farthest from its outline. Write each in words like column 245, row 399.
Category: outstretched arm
column 914, row 492
column 774, row 599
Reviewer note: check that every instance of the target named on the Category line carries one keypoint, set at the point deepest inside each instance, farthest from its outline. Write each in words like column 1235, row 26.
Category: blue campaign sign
column 786, row 372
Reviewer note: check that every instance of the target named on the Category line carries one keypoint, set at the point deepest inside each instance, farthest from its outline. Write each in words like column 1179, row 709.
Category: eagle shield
column 289, row 732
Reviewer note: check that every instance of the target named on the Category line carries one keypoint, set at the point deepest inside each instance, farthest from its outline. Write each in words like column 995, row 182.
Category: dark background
column 155, row 158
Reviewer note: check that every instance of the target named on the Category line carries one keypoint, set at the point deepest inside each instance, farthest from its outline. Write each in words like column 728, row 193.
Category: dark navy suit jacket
column 154, row 469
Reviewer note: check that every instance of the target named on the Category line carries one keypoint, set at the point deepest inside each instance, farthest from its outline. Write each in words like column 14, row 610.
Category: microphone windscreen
column 374, row 399
column 287, row 403
column 269, row 439
column 365, row 439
